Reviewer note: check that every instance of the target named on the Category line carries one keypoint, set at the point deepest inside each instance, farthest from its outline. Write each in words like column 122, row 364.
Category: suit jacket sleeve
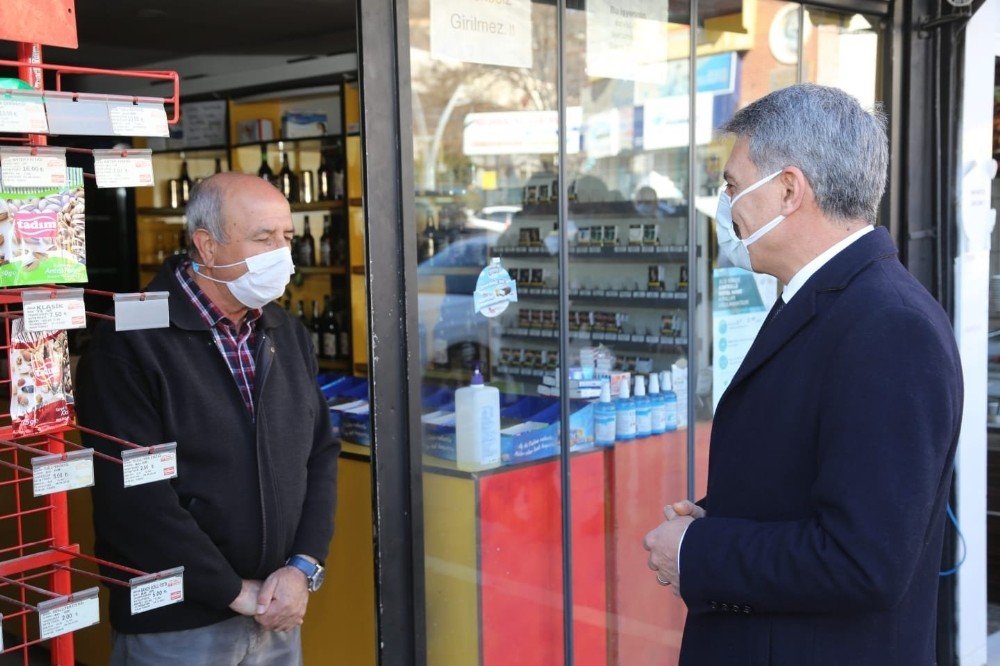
column 316, row 525
column 890, row 406
column 146, row 524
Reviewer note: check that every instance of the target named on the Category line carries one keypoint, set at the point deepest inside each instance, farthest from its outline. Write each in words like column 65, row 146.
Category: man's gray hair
column 204, row 211
column 842, row 150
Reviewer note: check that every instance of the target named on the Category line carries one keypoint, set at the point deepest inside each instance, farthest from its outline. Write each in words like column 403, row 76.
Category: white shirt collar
column 810, row 269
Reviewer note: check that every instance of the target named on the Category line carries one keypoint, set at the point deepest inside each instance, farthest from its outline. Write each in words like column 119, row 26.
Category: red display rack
column 39, row 563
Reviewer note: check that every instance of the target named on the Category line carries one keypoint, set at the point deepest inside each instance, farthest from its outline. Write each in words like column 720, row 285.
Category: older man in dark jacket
column 232, row 382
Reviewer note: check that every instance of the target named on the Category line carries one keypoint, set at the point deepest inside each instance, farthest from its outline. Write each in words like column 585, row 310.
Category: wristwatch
column 315, row 573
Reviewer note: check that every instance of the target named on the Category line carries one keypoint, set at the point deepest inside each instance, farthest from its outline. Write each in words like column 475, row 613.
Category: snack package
column 41, row 389
column 42, row 237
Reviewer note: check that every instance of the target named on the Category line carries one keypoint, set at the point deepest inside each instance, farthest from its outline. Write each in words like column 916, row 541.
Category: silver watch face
column 316, row 580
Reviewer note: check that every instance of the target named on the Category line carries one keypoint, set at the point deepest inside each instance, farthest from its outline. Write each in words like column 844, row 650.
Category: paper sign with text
column 157, row 590
column 156, row 463
column 61, row 472
column 65, row 614
column 133, row 168
column 45, row 310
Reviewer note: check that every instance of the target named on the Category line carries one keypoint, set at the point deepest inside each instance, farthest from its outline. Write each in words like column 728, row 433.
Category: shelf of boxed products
column 623, row 340
column 641, row 298
column 678, row 253
column 313, row 207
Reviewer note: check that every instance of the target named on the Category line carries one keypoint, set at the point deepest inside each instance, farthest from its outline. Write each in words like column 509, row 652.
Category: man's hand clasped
column 664, row 541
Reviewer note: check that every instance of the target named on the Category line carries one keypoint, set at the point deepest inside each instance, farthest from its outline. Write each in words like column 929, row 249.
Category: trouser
column 239, row 641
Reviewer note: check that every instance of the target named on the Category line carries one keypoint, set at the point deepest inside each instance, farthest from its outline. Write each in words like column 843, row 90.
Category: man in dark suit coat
column 820, row 538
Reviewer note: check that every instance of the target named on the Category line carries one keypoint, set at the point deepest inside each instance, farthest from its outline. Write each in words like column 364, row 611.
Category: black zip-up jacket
column 248, row 494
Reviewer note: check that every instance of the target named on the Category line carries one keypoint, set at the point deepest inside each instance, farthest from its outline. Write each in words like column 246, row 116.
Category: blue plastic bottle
column 657, row 406
column 624, row 414
column 605, row 418
column 670, row 400
column 643, row 409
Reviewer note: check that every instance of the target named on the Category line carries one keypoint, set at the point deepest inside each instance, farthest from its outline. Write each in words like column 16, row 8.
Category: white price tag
column 23, row 113
column 157, row 590
column 156, row 463
column 26, row 170
column 65, row 614
column 133, row 168
column 135, row 312
column 54, row 474
column 45, row 310
column 142, row 119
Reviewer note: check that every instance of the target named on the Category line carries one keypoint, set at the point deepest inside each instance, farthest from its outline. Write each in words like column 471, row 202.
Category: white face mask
column 265, row 280
column 731, row 245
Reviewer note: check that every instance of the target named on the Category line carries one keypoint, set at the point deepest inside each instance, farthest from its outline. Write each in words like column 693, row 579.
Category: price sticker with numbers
column 60, row 472
column 156, row 463
column 33, row 167
column 70, row 613
column 123, row 168
column 156, row 590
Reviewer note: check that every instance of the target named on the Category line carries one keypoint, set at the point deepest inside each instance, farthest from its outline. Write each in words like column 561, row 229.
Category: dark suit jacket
column 829, row 470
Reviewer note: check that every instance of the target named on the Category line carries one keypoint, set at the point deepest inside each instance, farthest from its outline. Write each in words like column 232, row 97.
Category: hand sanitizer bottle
column 643, row 416
column 657, row 406
column 604, row 418
column 477, row 425
column 624, row 414
column 670, row 400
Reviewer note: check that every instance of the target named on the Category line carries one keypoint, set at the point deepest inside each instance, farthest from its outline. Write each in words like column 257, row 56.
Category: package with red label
column 42, row 235
column 41, row 390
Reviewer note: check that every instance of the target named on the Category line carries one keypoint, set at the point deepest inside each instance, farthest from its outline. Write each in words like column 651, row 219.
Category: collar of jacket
column 834, row 276
column 183, row 313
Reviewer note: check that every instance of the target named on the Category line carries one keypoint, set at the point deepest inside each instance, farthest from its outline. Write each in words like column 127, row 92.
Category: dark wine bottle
column 331, row 334
column 265, row 169
column 307, row 246
column 301, row 314
column 315, row 329
column 326, row 244
column 218, row 165
column 324, row 178
column 185, row 181
column 344, row 348
column 288, row 182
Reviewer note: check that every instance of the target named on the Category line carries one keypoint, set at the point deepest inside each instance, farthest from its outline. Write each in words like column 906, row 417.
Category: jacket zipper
column 258, row 390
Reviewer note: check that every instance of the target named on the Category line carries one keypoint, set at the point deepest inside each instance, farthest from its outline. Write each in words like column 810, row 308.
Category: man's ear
column 794, row 189
column 205, row 246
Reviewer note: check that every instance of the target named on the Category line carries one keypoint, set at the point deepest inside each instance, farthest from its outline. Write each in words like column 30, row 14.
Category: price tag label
column 23, row 113
column 65, row 614
column 142, row 119
column 45, row 310
column 157, row 590
column 54, row 474
column 19, row 168
column 115, row 169
column 135, row 312
column 156, row 463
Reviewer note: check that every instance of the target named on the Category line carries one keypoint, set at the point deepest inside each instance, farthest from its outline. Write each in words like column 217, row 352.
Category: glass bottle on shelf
column 338, row 253
column 331, row 333
column 315, row 328
column 185, row 181
column 338, row 178
column 218, row 165
column 287, row 181
column 264, row 171
column 182, row 242
column 326, row 244
column 161, row 251
column 324, row 177
column 307, row 245
column 301, row 314
column 308, row 194
column 344, row 341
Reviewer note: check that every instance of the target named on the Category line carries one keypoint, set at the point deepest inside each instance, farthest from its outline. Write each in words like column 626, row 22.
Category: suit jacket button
column 747, row 610
column 725, row 608
column 714, row 605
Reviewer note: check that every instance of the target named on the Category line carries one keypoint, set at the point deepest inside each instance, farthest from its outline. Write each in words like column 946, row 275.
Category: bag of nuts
column 42, row 234
column 41, row 393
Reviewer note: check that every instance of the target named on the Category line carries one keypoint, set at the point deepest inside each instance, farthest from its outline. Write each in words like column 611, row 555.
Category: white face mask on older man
column 731, row 245
column 265, row 280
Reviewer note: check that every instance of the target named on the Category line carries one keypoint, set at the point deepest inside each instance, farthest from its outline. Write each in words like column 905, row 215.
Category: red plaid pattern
column 235, row 343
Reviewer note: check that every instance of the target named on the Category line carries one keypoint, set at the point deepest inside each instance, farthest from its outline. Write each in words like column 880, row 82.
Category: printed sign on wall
column 489, row 32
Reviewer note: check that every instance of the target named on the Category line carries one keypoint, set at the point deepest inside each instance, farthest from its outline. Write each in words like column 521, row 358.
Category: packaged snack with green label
column 42, row 234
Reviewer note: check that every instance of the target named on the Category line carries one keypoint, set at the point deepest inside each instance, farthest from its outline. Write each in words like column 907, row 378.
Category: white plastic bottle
column 477, row 425
column 643, row 411
column 604, row 418
column 624, row 414
column 657, row 406
column 669, row 400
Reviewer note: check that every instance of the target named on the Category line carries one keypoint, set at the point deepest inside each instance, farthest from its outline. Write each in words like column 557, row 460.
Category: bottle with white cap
column 605, row 417
column 669, row 400
column 624, row 414
column 657, row 406
column 477, row 425
column 643, row 416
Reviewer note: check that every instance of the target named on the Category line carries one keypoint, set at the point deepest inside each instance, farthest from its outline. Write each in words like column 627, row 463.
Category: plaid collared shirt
column 235, row 343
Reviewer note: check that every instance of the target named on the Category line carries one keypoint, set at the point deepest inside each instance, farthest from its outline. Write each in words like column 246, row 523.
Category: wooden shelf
column 305, row 139
column 317, row 206
column 356, row 202
column 334, row 364
column 321, row 270
column 197, row 149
